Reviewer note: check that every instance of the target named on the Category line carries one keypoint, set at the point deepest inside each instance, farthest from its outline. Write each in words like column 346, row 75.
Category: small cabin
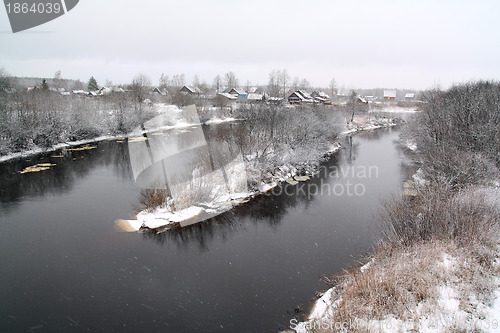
column 321, row 97
column 160, row 91
column 240, row 93
column 409, row 97
column 191, row 90
column 299, row 97
column 390, row 95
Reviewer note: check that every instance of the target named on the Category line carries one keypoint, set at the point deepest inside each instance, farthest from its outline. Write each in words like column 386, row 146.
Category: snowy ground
column 465, row 295
column 216, row 120
column 161, row 108
column 443, row 313
column 395, row 109
column 364, row 123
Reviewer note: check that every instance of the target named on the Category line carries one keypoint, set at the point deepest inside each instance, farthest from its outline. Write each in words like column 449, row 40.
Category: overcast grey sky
column 362, row 44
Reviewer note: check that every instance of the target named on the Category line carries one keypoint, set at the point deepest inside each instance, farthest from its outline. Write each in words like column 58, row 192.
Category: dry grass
column 395, row 283
column 440, row 241
column 439, row 213
column 198, row 190
column 151, row 199
column 405, row 283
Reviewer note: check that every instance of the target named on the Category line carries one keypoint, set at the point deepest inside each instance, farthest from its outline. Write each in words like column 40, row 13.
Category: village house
column 160, row 91
column 409, row 97
column 390, row 95
column 191, row 90
column 299, row 97
column 254, row 97
column 225, row 99
column 239, row 93
column 272, row 100
column 105, row 91
column 321, row 97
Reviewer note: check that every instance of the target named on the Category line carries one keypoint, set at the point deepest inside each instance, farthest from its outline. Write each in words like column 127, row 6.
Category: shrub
column 150, row 199
column 439, row 214
column 465, row 117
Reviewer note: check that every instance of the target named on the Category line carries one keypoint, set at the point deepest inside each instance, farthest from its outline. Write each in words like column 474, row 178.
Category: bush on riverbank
column 436, row 266
column 458, row 133
column 437, row 213
column 43, row 118
column 438, row 285
column 275, row 136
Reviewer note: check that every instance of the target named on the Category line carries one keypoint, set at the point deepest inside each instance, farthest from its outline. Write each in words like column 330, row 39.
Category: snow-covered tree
column 92, row 84
column 45, row 86
column 230, row 80
column 217, row 83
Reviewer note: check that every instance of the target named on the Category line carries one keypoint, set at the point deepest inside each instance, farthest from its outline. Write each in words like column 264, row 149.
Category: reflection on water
column 267, row 208
column 69, row 167
column 243, row 271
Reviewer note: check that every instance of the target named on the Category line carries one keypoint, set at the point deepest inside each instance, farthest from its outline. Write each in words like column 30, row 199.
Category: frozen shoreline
column 163, row 219
column 69, row 144
column 447, row 304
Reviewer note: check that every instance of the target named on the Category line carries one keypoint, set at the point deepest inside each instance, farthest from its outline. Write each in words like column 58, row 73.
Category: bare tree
column 333, row 88
column 196, row 81
column 5, row 81
column 164, row 81
column 458, row 132
column 230, row 80
column 352, row 104
column 58, row 82
column 220, row 101
column 295, row 83
column 217, row 83
column 204, row 87
column 304, row 84
column 178, row 81
column 283, row 79
column 273, row 87
column 139, row 87
column 248, row 85
column 78, row 85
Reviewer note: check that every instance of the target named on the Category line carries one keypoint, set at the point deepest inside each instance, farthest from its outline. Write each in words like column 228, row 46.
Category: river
column 64, row 267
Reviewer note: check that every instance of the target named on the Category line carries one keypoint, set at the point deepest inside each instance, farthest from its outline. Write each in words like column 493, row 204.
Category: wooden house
column 240, row 93
column 321, row 97
column 390, row 95
column 191, row 90
column 160, row 91
column 300, row 97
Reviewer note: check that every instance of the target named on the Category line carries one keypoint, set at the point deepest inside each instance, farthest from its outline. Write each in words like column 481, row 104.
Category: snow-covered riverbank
column 435, row 286
column 432, row 287
column 161, row 109
column 163, row 218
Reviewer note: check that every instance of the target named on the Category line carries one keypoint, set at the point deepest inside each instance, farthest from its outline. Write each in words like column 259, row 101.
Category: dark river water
column 65, row 269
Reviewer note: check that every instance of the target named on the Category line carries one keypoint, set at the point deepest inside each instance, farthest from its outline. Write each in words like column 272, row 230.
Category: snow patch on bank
column 368, row 125
column 169, row 113
column 395, row 109
column 216, row 120
column 163, row 217
column 39, row 150
column 442, row 313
